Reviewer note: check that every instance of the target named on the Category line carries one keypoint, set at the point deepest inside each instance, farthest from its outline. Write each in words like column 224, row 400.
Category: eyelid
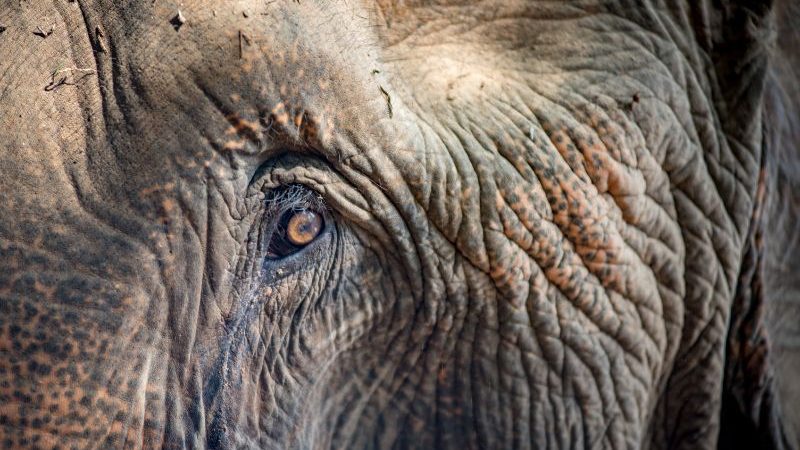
column 293, row 197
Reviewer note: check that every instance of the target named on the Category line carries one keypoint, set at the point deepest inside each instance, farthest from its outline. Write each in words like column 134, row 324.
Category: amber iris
column 303, row 227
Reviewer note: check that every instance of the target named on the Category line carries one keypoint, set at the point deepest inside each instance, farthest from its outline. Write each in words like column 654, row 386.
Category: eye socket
column 296, row 229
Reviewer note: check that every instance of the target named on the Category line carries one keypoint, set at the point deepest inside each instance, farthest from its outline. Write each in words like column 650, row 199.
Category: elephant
column 399, row 224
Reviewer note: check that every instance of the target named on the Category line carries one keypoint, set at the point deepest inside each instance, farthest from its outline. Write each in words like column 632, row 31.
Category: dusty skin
column 346, row 224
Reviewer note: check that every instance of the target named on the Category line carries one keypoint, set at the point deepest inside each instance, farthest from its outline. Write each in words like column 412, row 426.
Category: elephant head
column 397, row 224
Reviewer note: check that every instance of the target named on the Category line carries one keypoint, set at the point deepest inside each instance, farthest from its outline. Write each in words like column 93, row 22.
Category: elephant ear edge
column 751, row 414
column 761, row 404
column 737, row 37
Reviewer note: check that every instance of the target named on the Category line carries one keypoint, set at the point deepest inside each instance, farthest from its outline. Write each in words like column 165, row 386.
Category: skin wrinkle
column 393, row 345
column 479, row 260
column 563, row 151
column 528, row 249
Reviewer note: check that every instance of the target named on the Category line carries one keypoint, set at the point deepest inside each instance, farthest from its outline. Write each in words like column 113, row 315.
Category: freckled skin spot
column 233, row 146
column 243, row 127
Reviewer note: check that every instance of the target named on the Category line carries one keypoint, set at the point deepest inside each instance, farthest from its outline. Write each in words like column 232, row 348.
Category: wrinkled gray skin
column 547, row 224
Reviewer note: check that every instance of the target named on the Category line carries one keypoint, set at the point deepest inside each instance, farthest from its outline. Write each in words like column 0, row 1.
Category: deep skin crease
column 546, row 224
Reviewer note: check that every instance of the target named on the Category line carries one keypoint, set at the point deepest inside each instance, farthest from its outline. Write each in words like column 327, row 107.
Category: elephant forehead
column 246, row 59
column 541, row 140
column 310, row 67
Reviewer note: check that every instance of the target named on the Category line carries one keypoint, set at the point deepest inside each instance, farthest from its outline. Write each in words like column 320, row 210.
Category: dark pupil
column 279, row 245
column 306, row 227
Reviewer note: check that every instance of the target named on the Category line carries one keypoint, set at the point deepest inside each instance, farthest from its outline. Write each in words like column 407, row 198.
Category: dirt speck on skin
column 243, row 39
column 67, row 77
column 2, row 29
column 101, row 46
column 178, row 21
column 388, row 101
column 44, row 33
column 635, row 99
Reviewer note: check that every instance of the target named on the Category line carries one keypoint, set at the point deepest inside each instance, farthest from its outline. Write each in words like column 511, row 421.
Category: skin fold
column 544, row 224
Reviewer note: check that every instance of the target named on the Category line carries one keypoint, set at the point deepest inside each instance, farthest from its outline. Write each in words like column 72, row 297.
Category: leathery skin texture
column 535, row 220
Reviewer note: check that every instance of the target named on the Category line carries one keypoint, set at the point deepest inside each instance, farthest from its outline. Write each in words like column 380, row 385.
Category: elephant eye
column 303, row 227
column 296, row 229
